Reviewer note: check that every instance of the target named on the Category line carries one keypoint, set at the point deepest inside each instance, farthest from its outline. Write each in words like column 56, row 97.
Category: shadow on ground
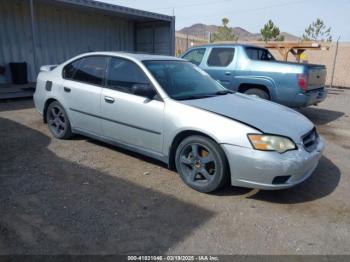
column 323, row 182
column 320, row 116
column 21, row 103
column 125, row 151
column 49, row 205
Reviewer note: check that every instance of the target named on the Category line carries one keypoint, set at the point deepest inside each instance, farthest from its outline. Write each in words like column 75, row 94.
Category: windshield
column 182, row 80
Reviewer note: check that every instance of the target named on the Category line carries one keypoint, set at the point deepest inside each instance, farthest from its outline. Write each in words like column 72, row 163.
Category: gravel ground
column 85, row 197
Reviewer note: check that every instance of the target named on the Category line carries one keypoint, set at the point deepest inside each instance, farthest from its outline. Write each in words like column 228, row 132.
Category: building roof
column 117, row 9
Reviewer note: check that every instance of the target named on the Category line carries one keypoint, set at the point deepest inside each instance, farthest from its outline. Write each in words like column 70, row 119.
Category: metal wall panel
column 144, row 38
column 61, row 34
column 162, row 39
column 65, row 31
column 15, row 36
column 154, row 37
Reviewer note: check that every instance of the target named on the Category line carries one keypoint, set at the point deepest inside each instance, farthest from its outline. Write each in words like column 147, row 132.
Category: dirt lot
column 85, row 197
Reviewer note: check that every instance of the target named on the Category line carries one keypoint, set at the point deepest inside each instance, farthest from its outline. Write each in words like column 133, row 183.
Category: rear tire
column 258, row 93
column 58, row 121
column 201, row 164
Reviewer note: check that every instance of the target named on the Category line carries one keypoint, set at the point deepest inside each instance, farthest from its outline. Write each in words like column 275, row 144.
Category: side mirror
column 144, row 90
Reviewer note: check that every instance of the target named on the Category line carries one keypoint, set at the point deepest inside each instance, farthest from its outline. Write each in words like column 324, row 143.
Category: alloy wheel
column 198, row 164
column 57, row 121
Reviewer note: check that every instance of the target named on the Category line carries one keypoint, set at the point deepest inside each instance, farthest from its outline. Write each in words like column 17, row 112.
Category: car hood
column 266, row 116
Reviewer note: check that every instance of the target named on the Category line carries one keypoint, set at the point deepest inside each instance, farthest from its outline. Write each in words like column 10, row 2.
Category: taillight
column 302, row 81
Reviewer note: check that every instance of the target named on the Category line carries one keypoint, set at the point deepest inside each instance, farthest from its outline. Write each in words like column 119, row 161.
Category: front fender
column 221, row 129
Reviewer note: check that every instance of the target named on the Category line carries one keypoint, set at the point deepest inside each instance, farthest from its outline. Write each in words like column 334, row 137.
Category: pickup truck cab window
column 195, row 56
column 259, row 54
column 221, row 57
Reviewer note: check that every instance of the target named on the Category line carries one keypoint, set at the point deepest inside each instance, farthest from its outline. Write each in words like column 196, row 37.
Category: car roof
column 135, row 56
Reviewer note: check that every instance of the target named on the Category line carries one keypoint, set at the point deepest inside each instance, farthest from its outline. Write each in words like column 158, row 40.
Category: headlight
column 271, row 143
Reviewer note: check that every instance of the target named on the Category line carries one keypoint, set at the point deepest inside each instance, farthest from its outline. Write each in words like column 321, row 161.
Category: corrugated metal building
column 43, row 32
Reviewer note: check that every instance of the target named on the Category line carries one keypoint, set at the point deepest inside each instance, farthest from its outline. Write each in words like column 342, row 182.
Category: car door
column 127, row 118
column 220, row 65
column 82, row 87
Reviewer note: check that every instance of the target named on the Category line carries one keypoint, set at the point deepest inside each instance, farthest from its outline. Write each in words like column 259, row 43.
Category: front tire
column 201, row 164
column 58, row 121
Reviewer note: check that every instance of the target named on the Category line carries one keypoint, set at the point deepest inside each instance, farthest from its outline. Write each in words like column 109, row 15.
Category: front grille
column 310, row 140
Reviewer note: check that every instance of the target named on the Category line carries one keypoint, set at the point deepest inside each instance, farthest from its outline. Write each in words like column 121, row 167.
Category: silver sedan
column 171, row 110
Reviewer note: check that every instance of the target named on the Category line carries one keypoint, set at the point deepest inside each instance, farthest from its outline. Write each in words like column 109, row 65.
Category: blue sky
column 291, row 16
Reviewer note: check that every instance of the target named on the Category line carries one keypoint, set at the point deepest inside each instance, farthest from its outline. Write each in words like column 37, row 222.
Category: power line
column 194, row 4
column 249, row 10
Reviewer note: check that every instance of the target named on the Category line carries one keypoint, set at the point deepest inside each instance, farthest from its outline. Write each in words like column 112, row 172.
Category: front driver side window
column 123, row 74
column 195, row 56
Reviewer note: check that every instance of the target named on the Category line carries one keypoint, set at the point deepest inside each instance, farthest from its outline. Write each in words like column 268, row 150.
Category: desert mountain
column 203, row 30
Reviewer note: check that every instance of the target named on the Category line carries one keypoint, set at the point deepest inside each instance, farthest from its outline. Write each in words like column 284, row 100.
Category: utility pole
column 334, row 61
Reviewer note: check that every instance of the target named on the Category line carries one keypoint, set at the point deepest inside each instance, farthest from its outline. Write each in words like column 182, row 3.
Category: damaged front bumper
column 271, row 170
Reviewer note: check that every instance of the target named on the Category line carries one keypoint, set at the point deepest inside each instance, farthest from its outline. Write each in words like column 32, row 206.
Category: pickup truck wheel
column 257, row 93
column 201, row 164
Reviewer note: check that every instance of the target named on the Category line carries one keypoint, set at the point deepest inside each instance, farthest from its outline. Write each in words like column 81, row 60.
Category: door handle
column 227, row 73
column 66, row 89
column 109, row 99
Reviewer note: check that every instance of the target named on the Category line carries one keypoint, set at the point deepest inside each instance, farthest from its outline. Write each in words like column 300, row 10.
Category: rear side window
column 259, row 54
column 221, row 57
column 91, row 70
column 70, row 69
column 123, row 74
column 195, row 56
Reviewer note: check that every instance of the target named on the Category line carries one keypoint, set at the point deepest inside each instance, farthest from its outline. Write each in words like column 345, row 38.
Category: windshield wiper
column 199, row 96
column 224, row 92
column 191, row 97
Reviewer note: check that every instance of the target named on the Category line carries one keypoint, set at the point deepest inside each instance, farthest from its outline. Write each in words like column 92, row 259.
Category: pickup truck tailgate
column 316, row 76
